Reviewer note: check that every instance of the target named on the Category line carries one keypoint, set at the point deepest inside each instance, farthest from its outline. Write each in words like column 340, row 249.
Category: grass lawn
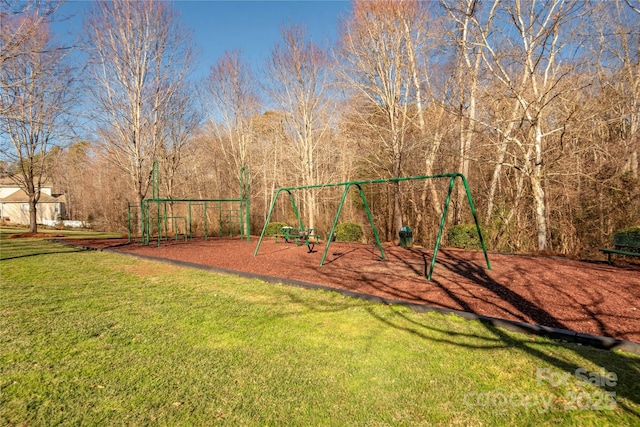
column 93, row 338
column 67, row 233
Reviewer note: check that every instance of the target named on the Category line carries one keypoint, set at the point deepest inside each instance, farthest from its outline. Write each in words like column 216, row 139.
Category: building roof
column 21, row 197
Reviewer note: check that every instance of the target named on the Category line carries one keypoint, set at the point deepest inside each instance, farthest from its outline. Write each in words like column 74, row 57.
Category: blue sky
column 254, row 26
column 250, row 26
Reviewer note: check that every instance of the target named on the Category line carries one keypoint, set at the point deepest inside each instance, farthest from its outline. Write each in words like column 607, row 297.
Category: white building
column 14, row 204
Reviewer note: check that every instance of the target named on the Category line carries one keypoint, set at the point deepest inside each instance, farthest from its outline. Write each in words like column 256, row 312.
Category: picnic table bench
column 624, row 244
column 299, row 236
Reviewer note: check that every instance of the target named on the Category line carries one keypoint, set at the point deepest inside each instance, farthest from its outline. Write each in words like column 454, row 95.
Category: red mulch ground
column 583, row 296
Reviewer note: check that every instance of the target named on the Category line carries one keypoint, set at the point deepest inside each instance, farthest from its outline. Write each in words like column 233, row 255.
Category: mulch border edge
column 565, row 335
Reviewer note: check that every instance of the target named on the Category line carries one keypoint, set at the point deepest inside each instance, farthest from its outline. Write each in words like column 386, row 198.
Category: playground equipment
column 152, row 217
column 358, row 184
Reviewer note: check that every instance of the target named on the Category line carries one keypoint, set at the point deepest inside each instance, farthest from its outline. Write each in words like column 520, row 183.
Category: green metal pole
column 240, row 214
column 162, row 221
column 240, row 218
column 442, row 220
column 371, row 181
column 148, row 224
column 165, row 222
column 240, row 221
column 247, row 204
column 206, row 222
column 266, row 221
column 475, row 219
column 245, row 212
column 335, row 223
column 142, row 225
column 129, row 222
column 247, row 219
column 190, row 230
column 370, row 217
column 295, row 210
column 155, row 194
column 146, row 221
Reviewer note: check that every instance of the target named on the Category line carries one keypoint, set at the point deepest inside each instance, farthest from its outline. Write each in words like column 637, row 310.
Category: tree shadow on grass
column 626, row 366
column 627, row 387
column 41, row 253
column 519, row 306
column 30, row 249
column 378, row 277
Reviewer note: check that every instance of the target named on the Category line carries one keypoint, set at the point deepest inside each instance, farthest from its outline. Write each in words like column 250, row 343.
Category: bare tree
column 634, row 5
column 270, row 153
column 180, row 120
column 231, row 93
column 20, row 22
column 620, row 70
column 297, row 83
column 36, row 96
column 469, row 29
column 530, row 63
column 140, row 57
column 71, row 175
column 379, row 53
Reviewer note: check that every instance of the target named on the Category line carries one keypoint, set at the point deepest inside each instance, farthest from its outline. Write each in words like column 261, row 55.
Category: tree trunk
column 493, row 187
column 540, row 209
column 540, row 203
column 33, row 214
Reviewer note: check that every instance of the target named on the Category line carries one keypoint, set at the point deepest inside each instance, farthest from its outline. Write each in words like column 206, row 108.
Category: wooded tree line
column 536, row 102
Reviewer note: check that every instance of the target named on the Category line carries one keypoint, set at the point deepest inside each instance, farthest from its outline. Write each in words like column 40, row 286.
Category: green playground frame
column 153, row 212
column 358, row 184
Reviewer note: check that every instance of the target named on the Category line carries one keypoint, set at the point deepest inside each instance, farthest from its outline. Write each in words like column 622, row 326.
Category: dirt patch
column 583, row 296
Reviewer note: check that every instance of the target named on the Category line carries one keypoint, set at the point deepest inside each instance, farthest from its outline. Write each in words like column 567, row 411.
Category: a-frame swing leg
column 444, row 216
column 442, row 219
column 295, row 210
column 337, row 217
column 370, row 217
column 266, row 221
column 475, row 219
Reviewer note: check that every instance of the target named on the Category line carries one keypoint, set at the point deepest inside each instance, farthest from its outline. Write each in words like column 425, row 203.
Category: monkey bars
column 148, row 221
column 358, row 185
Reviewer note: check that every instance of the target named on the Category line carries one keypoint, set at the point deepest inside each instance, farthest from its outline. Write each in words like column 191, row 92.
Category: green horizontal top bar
column 192, row 200
column 372, row 181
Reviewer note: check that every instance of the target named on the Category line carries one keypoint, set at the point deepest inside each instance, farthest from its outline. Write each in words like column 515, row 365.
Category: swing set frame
column 359, row 184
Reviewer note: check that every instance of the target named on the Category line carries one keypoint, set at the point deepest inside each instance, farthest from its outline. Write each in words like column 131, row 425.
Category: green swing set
column 359, row 184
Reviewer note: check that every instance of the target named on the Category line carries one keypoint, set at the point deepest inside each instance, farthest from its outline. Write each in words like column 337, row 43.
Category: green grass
column 98, row 338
